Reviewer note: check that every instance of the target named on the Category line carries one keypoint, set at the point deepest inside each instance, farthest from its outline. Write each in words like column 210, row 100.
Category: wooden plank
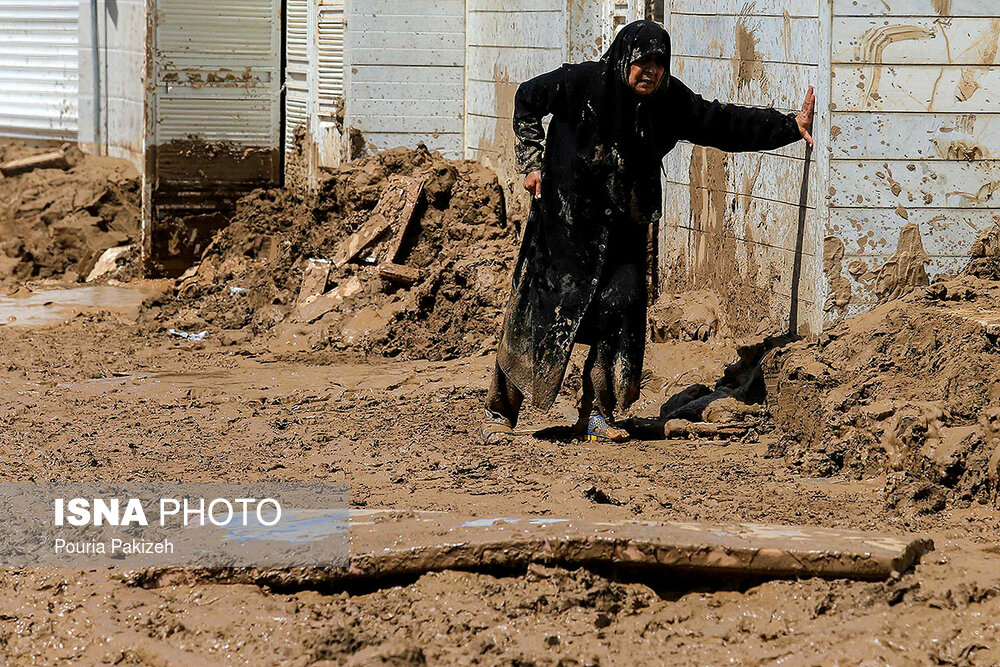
column 913, row 88
column 914, row 185
column 51, row 160
column 912, row 40
column 914, row 136
column 408, row 191
column 398, row 273
column 913, row 8
column 776, row 38
column 372, row 230
column 757, row 7
column 513, row 65
column 778, row 84
column 517, row 29
column 771, row 177
column 945, row 232
column 314, row 279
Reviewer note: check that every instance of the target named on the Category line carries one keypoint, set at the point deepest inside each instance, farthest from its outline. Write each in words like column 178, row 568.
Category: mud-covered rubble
column 55, row 223
column 459, row 242
column 910, row 390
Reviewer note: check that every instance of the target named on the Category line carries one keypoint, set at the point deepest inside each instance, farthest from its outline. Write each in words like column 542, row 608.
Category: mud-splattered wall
column 407, row 67
column 742, row 225
column 914, row 143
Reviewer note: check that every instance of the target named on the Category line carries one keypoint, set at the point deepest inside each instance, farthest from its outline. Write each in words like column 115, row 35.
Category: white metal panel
column 39, row 68
column 401, row 38
column 296, row 67
column 330, row 56
column 215, row 120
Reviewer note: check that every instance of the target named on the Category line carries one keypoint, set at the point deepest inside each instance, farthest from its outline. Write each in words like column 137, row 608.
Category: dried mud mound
column 910, row 389
column 56, row 223
column 249, row 279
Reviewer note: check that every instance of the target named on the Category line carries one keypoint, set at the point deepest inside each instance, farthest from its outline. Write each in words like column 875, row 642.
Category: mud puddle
column 55, row 306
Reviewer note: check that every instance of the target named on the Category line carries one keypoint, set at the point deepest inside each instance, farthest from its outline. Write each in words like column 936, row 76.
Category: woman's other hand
column 533, row 184
column 804, row 118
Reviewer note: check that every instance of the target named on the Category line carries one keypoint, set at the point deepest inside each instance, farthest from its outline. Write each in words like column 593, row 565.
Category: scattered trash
column 237, row 290
column 596, row 495
column 187, row 335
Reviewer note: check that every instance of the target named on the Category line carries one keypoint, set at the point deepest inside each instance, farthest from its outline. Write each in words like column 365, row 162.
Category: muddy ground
column 98, row 389
column 402, row 434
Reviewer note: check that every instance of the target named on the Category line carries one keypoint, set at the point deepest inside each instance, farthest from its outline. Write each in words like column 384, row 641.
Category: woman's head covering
column 618, row 136
column 635, row 41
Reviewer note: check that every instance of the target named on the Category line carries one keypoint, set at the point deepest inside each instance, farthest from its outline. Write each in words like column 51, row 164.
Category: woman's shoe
column 598, row 429
column 495, row 429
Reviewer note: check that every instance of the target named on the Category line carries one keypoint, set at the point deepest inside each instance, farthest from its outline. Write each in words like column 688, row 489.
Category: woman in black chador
column 581, row 273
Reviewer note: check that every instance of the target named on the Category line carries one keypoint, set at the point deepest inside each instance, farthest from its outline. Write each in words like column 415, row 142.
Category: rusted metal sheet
column 215, row 119
column 404, row 44
column 39, row 68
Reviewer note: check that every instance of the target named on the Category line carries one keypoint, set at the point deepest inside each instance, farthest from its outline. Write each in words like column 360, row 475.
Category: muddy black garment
column 580, row 274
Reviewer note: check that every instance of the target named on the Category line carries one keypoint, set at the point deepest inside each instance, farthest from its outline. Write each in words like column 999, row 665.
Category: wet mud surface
column 131, row 406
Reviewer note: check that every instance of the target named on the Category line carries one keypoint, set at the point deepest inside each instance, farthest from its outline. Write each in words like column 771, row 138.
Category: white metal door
column 39, row 68
column 297, row 80
column 216, row 113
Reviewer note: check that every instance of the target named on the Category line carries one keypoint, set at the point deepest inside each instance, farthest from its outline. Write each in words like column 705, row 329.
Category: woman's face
column 645, row 74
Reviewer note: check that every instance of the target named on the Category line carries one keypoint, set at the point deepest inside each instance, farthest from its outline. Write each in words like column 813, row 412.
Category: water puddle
column 55, row 306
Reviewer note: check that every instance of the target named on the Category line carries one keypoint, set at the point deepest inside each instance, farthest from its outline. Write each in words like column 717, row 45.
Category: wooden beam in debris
column 393, row 212
column 399, row 273
column 53, row 160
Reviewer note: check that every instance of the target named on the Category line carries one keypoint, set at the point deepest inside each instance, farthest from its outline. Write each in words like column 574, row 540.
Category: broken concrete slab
column 53, row 160
column 314, row 280
column 391, row 543
column 315, row 308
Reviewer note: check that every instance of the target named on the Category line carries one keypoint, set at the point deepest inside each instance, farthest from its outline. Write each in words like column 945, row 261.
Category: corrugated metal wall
column 120, row 83
column 216, row 119
column 914, row 142
column 732, row 221
column 39, row 51
column 297, row 94
column 407, row 72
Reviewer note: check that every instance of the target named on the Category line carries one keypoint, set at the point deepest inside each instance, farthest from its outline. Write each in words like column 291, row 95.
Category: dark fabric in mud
column 600, row 188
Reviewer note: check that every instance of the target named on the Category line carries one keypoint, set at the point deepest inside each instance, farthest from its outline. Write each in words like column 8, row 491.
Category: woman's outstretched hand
column 533, row 184
column 804, row 118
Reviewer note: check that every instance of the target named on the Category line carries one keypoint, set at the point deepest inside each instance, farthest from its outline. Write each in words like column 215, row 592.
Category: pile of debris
column 60, row 211
column 402, row 253
column 910, row 389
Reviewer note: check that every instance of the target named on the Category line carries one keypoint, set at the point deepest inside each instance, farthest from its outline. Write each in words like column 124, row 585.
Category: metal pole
column 95, row 47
